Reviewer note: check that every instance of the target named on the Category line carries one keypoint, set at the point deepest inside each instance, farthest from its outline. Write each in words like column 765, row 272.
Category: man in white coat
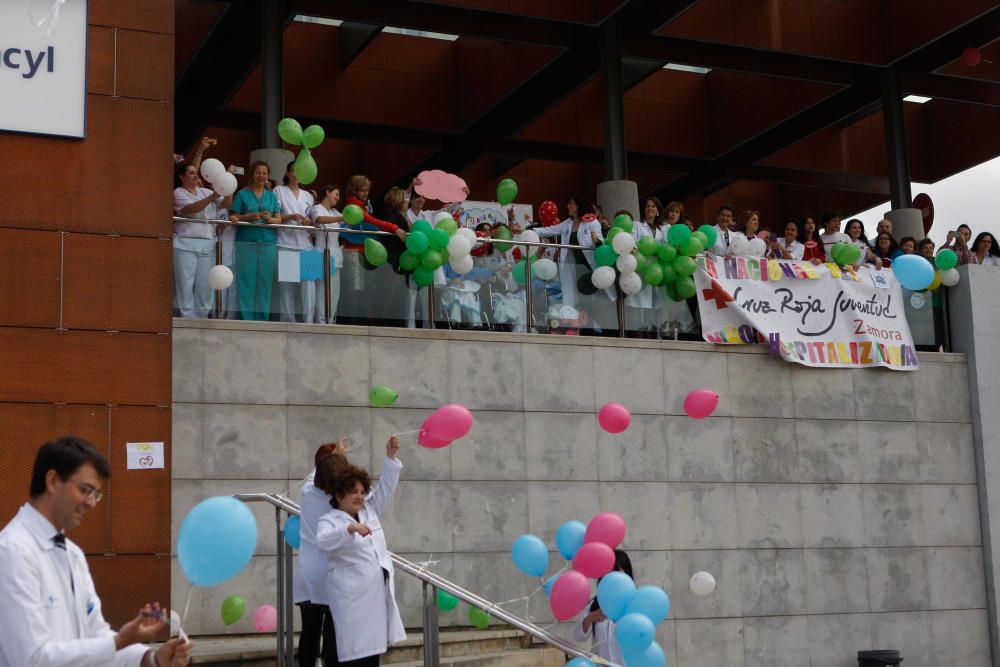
column 50, row 614
column 723, row 231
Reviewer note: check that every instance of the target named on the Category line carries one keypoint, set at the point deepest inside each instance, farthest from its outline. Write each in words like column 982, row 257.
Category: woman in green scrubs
column 256, row 247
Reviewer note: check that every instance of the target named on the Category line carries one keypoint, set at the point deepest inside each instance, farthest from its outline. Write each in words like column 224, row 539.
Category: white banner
column 821, row 316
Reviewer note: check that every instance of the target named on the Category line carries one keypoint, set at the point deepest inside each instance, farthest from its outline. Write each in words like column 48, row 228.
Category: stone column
column 615, row 195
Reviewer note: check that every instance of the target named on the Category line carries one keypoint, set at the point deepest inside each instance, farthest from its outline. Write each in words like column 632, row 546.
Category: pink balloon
column 265, row 618
column 449, row 422
column 431, row 443
column 607, row 528
column 570, row 594
column 614, row 417
column 700, row 403
column 594, row 560
column 440, row 185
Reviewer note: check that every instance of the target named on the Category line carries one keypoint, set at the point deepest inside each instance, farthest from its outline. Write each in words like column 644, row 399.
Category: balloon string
column 46, row 24
column 187, row 606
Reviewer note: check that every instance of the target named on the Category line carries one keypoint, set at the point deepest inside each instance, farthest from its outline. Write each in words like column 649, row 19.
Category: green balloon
column 417, row 242
column 711, row 236
column 685, row 287
column 701, row 236
column 612, row 233
column 506, row 191
column 305, row 167
column 375, row 252
column 408, row 261
column 479, row 618
column 446, row 601
column 382, row 396
column 850, row 254
column 290, row 131
column 353, row 215
column 623, row 220
column 946, row 259
column 423, row 276
column 438, row 239
column 666, row 252
column 684, row 266
column 670, row 289
column 232, row 609
column 605, row 255
column 503, row 233
column 313, row 136
column 642, row 262
column 447, row 224
column 647, row 245
column 422, row 226
column 653, row 274
column 444, row 255
column 679, row 234
column 669, row 275
column 519, row 271
column 431, row 259
column 692, row 247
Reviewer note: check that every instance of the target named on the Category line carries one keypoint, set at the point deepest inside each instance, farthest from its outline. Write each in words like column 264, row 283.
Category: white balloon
column 211, row 169
column 757, row 248
column 702, row 584
column 603, row 277
column 528, row 235
column 467, row 233
column 225, row 185
column 441, row 215
column 459, row 246
column 220, row 276
column 461, row 265
column 949, row 277
column 546, row 269
column 630, row 283
column 739, row 245
column 623, row 242
column 627, row 262
column 175, row 623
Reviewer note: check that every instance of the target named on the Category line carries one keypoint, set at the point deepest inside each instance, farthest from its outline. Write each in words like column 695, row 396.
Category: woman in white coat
column 642, row 312
column 360, row 584
column 597, row 627
column 573, row 264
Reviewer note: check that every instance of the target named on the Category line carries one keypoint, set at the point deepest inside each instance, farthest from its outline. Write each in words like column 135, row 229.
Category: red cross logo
column 717, row 294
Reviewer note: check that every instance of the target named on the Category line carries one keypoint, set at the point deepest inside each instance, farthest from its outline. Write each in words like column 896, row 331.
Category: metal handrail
column 281, row 503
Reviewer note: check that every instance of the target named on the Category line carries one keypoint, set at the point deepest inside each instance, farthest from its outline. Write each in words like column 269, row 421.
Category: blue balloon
column 293, row 534
column 913, row 272
column 651, row 656
column 216, row 541
column 650, row 601
column 569, row 538
column 634, row 633
column 579, row 662
column 530, row 555
column 550, row 583
column 614, row 591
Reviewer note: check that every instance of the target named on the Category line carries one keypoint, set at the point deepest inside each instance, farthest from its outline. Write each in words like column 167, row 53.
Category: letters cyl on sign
column 43, row 72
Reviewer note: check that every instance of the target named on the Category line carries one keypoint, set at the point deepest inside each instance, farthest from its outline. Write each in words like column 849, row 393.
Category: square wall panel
column 126, row 582
column 29, row 278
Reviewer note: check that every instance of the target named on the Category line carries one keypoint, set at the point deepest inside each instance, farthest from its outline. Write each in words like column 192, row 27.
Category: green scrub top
column 246, row 201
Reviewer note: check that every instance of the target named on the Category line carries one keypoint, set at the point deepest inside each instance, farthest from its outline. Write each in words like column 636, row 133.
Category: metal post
column 272, row 95
column 527, row 290
column 279, row 576
column 327, row 288
column 613, row 105
column 218, row 260
column 430, row 305
column 893, row 122
column 432, row 645
column 289, row 605
column 621, row 310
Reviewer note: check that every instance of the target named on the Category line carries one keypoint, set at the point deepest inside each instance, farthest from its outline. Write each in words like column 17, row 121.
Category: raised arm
column 381, row 495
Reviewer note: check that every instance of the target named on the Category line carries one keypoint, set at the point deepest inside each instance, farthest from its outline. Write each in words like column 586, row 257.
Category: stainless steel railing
column 431, row 583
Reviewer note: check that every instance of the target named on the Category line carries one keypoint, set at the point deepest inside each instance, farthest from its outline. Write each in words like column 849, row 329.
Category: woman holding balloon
column 595, row 624
column 360, row 582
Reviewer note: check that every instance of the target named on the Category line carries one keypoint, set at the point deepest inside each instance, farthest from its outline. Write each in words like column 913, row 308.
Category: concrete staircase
column 496, row 647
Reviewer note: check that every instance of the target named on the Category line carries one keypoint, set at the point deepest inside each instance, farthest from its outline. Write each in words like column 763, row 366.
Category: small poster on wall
column 144, row 455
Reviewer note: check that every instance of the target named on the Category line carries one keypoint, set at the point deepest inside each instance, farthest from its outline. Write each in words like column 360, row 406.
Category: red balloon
column 971, row 56
column 594, row 559
column 700, row 403
column 614, row 417
column 570, row 594
column 607, row 528
column 548, row 213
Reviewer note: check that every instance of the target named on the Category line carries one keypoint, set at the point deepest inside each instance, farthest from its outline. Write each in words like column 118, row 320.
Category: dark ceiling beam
column 451, row 19
column 339, row 129
column 948, row 47
column 956, row 89
column 354, row 38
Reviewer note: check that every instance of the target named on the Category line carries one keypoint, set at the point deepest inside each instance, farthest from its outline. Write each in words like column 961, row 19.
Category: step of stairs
column 499, row 647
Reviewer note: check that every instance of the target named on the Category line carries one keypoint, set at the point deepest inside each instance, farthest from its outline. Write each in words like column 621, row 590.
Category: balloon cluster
column 214, row 172
column 445, row 425
column 292, row 133
column 946, row 273
column 477, row 617
column 590, row 549
column 669, row 264
column 535, row 267
column 429, row 246
column 844, row 254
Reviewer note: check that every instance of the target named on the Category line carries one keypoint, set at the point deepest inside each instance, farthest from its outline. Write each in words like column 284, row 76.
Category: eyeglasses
column 90, row 492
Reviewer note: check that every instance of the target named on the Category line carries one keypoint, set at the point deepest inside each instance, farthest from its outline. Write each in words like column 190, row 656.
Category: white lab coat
column 309, row 583
column 645, row 298
column 296, row 301
column 602, row 636
column 43, row 622
column 567, row 266
column 721, row 247
column 362, row 602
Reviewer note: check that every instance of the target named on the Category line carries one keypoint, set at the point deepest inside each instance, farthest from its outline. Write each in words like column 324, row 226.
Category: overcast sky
column 972, row 197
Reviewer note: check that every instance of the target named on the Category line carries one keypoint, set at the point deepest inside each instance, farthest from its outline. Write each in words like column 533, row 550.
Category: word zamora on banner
column 822, row 315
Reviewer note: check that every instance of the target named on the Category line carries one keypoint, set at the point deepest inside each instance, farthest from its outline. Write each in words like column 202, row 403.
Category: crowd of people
column 491, row 295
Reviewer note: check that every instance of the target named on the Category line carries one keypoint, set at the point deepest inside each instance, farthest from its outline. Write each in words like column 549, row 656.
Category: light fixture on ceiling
column 917, row 99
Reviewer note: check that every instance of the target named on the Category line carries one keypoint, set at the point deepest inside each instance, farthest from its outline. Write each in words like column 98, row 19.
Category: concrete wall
column 837, row 509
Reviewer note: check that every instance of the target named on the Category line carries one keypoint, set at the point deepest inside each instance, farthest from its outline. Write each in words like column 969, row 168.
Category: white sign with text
column 43, row 67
